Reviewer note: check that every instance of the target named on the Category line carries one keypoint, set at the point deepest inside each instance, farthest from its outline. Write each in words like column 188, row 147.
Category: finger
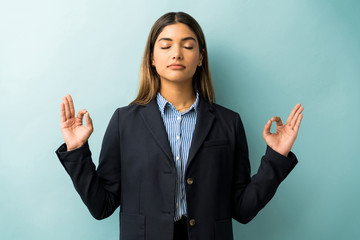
column 80, row 114
column 67, row 108
column 88, row 120
column 277, row 120
column 62, row 112
column 298, row 121
column 267, row 128
column 293, row 121
column 71, row 104
column 291, row 116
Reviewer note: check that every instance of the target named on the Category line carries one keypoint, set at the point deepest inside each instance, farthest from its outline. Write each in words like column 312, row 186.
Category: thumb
column 88, row 121
column 267, row 127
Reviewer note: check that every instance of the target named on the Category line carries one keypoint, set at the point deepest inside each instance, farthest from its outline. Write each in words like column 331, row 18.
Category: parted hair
column 150, row 79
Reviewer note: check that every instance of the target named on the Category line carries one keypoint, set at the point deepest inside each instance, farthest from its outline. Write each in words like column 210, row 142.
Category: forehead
column 176, row 31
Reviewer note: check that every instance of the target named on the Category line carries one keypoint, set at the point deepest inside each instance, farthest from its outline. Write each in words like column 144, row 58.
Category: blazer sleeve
column 251, row 194
column 99, row 189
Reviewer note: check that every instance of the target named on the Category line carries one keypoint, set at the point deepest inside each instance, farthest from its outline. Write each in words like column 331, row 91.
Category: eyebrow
column 184, row 39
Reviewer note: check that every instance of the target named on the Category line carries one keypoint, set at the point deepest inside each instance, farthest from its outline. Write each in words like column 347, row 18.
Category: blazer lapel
column 204, row 121
column 153, row 121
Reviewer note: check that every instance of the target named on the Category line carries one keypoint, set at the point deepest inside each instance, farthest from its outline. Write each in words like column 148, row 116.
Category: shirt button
column 190, row 181
column 177, row 137
column 177, row 157
column 178, row 118
column 177, row 205
column 192, row 222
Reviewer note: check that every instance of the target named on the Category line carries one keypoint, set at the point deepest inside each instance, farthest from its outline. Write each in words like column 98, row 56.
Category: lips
column 176, row 66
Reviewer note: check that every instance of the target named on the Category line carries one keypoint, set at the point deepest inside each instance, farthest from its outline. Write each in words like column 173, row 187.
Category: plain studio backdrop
column 265, row 56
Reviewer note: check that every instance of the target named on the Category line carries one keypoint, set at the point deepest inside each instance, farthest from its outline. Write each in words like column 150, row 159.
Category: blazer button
column 190, row 181
column 192, row 222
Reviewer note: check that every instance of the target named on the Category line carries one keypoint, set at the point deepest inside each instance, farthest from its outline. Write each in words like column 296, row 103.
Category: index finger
column 277, row 120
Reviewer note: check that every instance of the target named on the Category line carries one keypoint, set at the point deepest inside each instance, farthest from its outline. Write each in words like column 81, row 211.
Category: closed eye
column 170, row 46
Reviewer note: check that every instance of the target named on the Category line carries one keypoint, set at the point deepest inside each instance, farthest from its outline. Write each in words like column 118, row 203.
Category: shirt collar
column 162, row 102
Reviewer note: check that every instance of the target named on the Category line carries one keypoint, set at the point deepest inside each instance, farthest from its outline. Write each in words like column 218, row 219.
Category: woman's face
column 176, row 53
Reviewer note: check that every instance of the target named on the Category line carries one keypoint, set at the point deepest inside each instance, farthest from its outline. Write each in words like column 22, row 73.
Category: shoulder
column 224, row 112
column 127, row 111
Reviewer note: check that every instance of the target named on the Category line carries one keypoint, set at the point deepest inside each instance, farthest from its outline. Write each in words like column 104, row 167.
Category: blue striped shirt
column 180, row 128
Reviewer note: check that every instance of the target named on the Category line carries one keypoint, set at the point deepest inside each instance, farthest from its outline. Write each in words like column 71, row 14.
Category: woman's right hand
column 74, row 132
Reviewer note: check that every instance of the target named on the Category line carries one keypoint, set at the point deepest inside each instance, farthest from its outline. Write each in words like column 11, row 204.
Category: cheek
column 194, row 60
column 158, row 59
column 159, row 63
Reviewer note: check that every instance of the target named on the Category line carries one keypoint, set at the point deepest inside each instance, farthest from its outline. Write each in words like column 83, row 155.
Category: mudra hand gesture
column 74, row 132
column 283, row 139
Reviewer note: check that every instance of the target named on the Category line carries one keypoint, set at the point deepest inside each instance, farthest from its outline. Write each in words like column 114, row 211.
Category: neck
column 181, row 96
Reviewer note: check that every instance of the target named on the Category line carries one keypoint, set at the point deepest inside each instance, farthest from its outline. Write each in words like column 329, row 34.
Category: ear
column 201, row 58
column 152, row 60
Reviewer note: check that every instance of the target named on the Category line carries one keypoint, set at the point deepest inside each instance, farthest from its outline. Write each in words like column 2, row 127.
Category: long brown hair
column 149, row 78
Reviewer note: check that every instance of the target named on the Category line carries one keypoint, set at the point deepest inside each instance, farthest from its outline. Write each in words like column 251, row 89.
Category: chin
column 176, row 77
column 178, row 80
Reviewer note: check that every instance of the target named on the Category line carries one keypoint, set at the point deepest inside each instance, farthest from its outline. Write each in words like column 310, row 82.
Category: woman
column 174, row 161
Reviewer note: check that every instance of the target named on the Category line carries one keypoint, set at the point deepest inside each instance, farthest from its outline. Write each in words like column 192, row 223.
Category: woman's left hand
column 283, row 139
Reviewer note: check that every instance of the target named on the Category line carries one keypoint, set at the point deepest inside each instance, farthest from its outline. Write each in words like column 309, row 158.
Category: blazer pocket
column 223, row 230
column 132, row 226
column 212, row 143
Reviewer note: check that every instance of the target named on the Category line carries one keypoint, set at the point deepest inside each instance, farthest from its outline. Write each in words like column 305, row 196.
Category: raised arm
column 251, row 194
column 98, row 188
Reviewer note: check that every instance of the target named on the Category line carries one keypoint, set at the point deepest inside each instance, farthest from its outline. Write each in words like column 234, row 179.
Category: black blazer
column 137, row 171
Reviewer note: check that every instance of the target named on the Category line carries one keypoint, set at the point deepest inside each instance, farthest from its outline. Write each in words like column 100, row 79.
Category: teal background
column 265, row 56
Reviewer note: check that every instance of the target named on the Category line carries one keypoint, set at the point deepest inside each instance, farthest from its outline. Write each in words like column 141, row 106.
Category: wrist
column 283, row 152
column 72, row 147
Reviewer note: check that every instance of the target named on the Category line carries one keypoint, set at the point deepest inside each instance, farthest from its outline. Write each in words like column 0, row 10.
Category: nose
column 177, row 54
